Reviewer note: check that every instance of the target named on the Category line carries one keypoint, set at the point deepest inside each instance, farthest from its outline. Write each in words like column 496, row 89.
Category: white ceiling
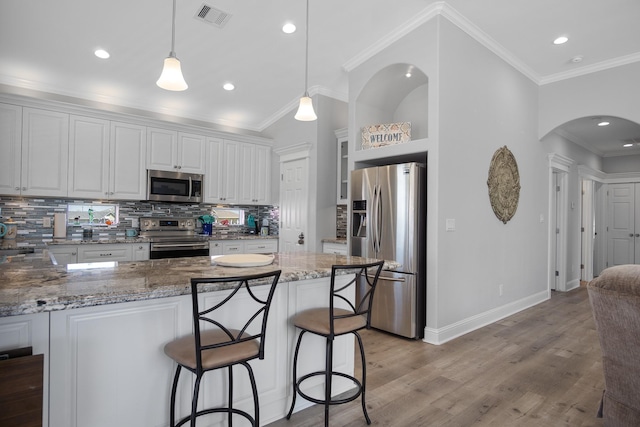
column 48, row 46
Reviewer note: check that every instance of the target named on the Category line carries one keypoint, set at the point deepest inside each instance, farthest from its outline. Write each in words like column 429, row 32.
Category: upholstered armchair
column 615, row 300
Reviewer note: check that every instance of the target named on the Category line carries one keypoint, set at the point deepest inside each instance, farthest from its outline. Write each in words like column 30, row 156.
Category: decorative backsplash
column 28, row 213
column 341, row 221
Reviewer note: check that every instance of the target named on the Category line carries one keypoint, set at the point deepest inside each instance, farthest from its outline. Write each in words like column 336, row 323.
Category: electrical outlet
column 46, row 222
column 500, row 289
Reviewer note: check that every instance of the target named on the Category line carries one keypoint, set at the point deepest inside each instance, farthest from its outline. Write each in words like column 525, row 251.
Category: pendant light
column 171, row 77
column 305, row 110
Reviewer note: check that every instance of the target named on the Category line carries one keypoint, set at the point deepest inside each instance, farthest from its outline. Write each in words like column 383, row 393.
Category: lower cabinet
column 71, row 254
column 254, row 246
column 108, row 367
column 334, row 248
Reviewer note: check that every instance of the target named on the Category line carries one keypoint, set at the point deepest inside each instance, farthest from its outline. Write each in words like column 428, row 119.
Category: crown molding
column 593, row 68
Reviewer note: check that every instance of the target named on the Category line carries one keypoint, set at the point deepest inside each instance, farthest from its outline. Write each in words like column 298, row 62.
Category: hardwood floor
column 540, row 367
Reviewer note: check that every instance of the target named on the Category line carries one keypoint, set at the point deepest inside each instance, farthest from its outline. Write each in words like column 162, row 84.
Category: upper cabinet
column 255, row 176
column 45, row 153
column 10, row 146
column 175, row 151
column 106, row 159
column 222, row 173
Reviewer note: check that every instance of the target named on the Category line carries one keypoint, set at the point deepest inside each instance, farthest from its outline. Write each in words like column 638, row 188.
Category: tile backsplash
column 28, row 213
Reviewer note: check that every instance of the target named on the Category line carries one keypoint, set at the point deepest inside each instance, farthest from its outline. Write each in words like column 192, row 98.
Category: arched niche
column 605, row 141
column 396, row 93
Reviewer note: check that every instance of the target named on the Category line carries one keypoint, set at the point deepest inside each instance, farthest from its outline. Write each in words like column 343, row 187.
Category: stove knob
column 189, row 223
column 146, row 223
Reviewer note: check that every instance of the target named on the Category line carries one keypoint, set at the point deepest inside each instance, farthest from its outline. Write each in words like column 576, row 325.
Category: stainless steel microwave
column 166, row 186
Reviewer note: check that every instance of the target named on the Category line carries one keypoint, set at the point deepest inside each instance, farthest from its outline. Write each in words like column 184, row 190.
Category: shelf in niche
column 408, row 149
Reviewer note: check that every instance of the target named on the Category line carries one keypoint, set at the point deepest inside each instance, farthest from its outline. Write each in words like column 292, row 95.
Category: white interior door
column 294, row 190
column 621, row 228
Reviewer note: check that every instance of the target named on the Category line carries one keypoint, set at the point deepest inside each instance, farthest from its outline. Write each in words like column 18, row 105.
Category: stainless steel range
column 173, row 237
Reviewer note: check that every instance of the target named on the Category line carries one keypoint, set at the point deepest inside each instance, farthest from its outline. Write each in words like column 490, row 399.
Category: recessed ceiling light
column 603, row 123
column 561, row 40
column 628, row 145
column 408, row 74
column 228, row 86
column 101, row 53
column 288, row 28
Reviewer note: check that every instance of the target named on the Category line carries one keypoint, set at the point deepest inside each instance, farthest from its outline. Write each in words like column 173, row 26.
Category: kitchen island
column 102, row 328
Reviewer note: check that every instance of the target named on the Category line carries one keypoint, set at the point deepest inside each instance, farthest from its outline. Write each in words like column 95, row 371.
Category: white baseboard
column 572, row 285
column 449, row 332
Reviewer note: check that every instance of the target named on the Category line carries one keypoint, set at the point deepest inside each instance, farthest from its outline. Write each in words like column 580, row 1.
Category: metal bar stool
column 220, row 347
column 330, row 322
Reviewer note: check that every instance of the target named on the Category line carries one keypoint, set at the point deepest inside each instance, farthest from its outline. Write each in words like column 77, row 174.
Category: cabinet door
column 247, row 175
column 10, row 146
column 214, row 173
column 230, row 171
column 45, row 153
column 215, row 248
column 140, row 251
column 191, row 153
column 161, row 149
column 127, row 172
column 64, row 254
column 88, row 157
column 262, row 180
column 255, row 174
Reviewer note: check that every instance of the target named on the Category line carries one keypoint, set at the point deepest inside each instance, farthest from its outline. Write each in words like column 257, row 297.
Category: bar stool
column 340, row 318
column 220, row 347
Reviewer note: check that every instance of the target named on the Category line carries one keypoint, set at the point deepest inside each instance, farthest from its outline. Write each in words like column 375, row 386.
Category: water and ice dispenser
column 359, row 219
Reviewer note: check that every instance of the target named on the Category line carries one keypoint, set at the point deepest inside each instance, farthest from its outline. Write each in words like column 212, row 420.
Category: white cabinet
column 10, row 147
column 342, row 166
column 88, row 157
column 141, row 251
column 71, row 254
column 253, row 246
column 105, row 252
column 260, row 246
column 222, row 173
column 334, row 248
column 64, row 254
column 255, row 174
column 106, row 159
column 175, row 151
column 45, row 153
column 127, row 158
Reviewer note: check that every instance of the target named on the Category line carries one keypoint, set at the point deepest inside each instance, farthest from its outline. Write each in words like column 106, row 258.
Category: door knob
column 301, row 239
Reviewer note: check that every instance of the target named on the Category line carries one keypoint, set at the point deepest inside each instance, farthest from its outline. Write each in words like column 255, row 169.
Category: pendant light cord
column 173, row 31
column 306, row 55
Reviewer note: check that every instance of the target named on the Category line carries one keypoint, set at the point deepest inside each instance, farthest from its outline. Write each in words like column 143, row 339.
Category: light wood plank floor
column 540, row 367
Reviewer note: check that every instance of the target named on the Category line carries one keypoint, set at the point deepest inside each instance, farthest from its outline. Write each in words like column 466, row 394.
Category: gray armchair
column 615, row 300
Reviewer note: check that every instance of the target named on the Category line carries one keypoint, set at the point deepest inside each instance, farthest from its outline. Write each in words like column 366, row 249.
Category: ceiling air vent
column 213, row 16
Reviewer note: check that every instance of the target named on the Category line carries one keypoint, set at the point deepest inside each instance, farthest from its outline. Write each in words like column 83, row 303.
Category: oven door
column 178, row 249
column 168, row 186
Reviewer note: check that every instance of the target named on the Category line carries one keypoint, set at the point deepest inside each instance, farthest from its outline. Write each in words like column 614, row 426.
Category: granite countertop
column 32, row 284
column 109, row 240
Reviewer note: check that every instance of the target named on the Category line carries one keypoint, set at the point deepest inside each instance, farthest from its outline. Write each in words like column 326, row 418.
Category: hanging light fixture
column 305, row 110
column 171, row 77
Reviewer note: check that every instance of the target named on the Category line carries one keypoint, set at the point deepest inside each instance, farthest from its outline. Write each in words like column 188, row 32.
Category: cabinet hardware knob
column 631, row 235
column 24, row 188
column 17, row 188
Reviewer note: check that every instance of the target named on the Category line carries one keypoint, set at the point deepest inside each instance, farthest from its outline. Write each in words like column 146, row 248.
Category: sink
column 16, row 251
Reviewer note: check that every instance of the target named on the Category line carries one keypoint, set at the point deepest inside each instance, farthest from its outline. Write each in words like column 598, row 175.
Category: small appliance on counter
column 8, row 230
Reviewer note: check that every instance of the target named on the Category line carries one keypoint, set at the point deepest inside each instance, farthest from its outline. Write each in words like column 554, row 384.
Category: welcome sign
column 375, row 136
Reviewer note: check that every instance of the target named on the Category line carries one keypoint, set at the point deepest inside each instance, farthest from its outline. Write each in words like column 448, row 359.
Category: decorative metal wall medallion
column 504, row 184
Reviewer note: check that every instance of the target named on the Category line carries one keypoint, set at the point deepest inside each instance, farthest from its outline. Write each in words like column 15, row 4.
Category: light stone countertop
column 342, row 241
column 32, row 284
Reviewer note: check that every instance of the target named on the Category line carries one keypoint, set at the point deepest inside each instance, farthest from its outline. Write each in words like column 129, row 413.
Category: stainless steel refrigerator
column 388, row 221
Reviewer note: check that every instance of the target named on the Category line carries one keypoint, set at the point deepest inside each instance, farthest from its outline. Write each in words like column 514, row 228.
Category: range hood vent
column 213, row 16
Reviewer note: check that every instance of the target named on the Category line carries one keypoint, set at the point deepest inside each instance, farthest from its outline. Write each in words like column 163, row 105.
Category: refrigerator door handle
column 379, row 219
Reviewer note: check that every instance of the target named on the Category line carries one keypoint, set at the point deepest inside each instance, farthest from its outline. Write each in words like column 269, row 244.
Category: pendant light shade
column 171, row 77
column 305, row 109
